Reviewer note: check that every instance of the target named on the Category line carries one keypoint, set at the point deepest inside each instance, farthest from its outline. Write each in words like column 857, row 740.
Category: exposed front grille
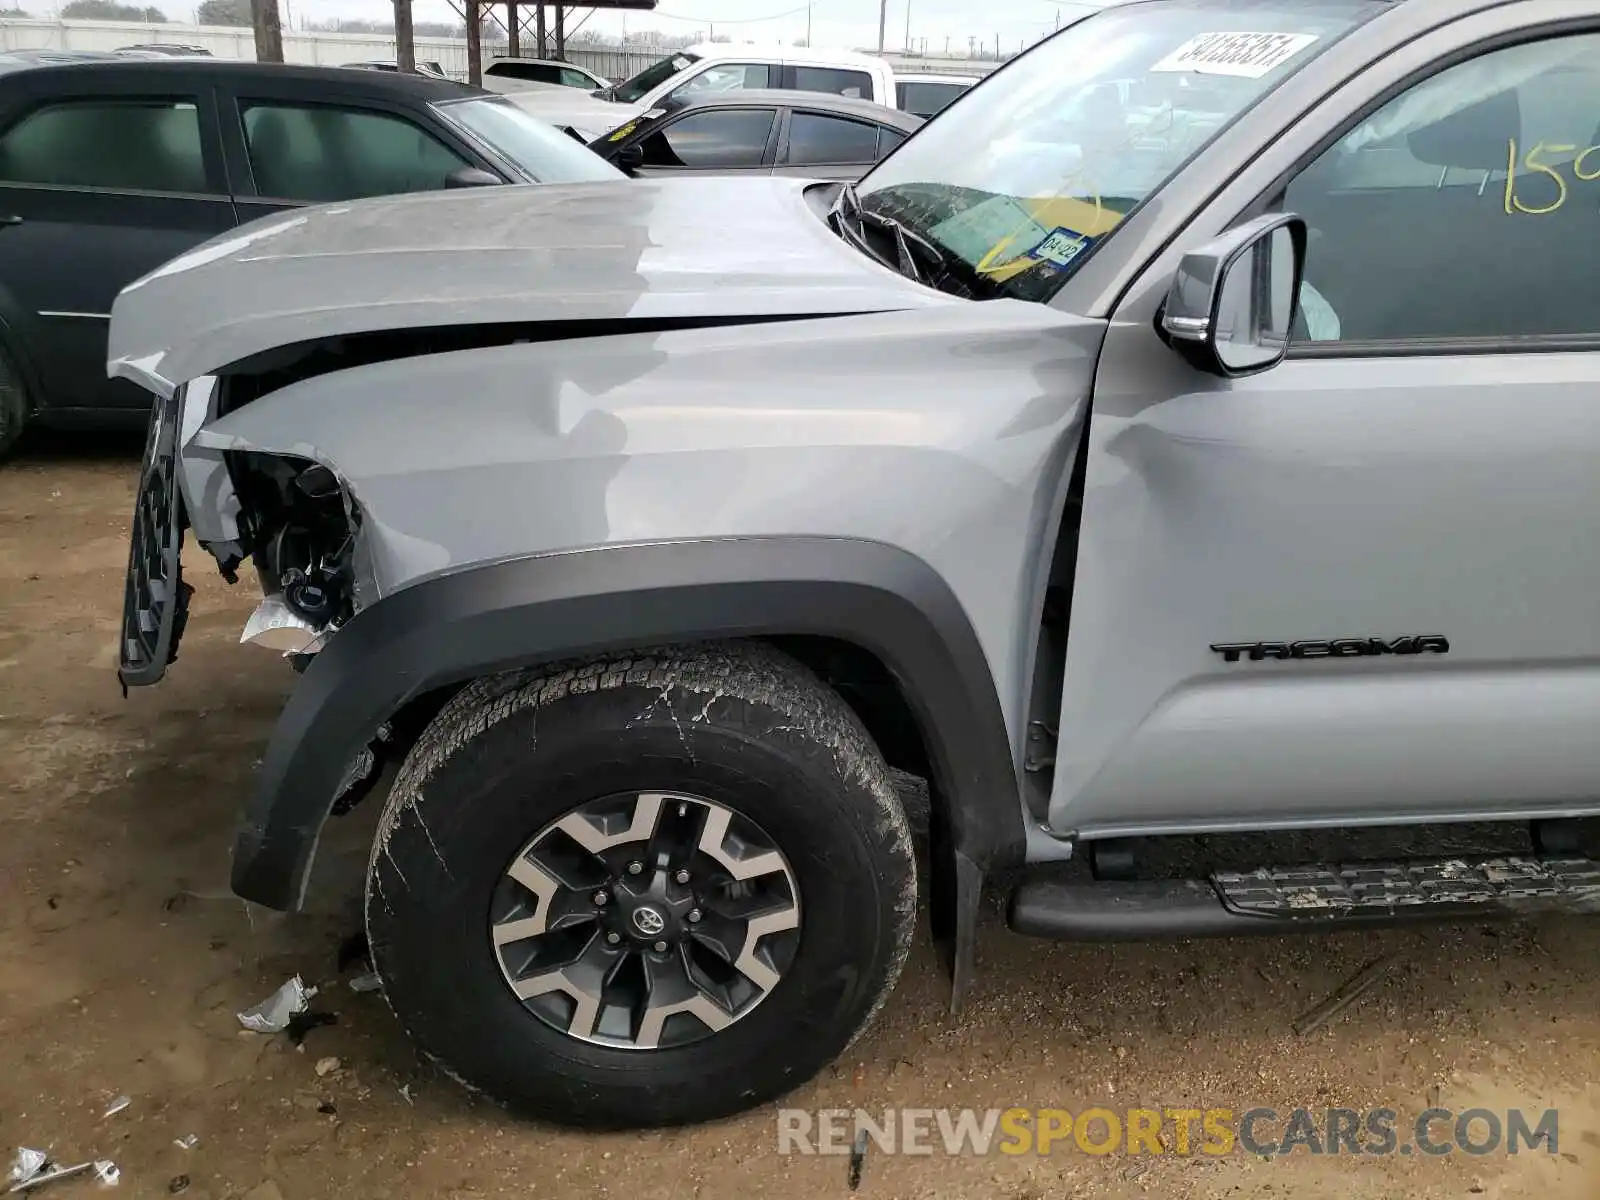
column 156, row 601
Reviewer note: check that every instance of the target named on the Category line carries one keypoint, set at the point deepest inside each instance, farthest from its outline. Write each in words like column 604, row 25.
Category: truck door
column 1362, row 587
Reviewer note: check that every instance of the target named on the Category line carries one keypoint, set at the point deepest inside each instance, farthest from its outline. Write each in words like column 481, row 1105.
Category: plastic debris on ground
column 187, row 1142
column 103, row 1169
column 273, row 1014
column 367, row 981
column 116, row 1106
column 405, row 1094
column 27, row 1164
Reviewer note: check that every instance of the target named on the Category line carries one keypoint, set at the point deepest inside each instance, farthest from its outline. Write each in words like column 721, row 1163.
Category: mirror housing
column 630, row 158
column 472, row 177
column 1234, row 300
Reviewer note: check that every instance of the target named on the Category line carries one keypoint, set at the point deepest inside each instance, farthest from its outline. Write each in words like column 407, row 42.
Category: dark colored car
column 774, row 132
column 110, row 168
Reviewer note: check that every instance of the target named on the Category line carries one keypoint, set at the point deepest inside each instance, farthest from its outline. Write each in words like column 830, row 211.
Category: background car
column 709, row 68
column 507, row 75
column 110, row 168
column 389, row 64
column 774, row 132
column 926, row 94
column 171, row 49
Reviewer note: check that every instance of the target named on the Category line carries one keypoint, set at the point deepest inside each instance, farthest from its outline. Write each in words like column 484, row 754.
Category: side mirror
column 471, row 177
column 1234, row 299
column 630, row 158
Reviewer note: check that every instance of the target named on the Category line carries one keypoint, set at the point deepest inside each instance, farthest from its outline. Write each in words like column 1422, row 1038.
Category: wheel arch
column 877, row 605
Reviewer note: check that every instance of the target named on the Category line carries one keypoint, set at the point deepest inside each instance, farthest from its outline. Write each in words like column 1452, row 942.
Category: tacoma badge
column 1428, row 643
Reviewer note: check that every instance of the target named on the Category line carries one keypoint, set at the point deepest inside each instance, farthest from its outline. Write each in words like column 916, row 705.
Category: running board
column 1295, row 899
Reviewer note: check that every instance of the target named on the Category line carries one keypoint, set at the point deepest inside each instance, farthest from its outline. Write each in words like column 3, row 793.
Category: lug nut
column 613, row 937
column 636, row 868
column 600, row 897
column 682, row 877
column 694, row 915
column 661, row 947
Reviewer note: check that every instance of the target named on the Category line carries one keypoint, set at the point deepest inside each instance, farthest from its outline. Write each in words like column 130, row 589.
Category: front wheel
column 641, row 891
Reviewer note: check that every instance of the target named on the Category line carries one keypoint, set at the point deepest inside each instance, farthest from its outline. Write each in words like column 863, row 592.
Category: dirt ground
column 123, row 959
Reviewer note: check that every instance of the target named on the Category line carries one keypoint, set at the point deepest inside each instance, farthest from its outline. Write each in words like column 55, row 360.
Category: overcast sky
column 833, row 22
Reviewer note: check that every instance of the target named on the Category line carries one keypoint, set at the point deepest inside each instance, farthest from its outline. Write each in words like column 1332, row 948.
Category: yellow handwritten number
column 1531, row 162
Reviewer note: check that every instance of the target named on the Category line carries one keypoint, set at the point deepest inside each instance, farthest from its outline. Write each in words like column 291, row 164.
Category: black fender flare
column 516, row 613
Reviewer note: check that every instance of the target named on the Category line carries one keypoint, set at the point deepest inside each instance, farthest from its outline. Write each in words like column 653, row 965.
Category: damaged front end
column 289, row 517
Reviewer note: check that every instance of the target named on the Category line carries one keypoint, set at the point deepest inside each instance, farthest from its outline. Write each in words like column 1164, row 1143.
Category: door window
column 888, row 139
column 1468, row 207
column 814, row 138
column 834, row 81
column 577, row 79
column 925, row 99
column 321, row 153
column 122, row 145
column 727, row 77
column 530, row 72
column 730, row 137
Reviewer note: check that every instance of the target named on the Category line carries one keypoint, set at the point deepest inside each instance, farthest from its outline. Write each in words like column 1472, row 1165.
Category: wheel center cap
column 648, row 920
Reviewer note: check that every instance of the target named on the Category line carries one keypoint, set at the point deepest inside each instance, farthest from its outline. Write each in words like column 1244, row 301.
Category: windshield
column 543, row 152
column 1021, row 178
column 657, row 73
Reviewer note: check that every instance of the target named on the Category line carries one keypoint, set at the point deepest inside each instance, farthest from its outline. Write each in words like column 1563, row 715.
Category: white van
column 712, row 67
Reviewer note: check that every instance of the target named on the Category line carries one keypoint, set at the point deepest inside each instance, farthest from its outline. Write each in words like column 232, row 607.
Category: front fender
column 466, row 624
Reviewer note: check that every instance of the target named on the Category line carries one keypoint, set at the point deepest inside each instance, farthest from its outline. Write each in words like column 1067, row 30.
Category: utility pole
column 808, row 24
column 474, row 19
column 513, row 30
column 908, row 26
column 269, row 33
column 405, row 46
column 997, row 47
column 883, row 17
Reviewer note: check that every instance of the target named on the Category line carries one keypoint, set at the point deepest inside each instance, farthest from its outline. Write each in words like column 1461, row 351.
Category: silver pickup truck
column 1177, row 477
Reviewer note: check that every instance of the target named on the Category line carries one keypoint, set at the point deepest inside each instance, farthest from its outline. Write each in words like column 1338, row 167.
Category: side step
column 1293, row 899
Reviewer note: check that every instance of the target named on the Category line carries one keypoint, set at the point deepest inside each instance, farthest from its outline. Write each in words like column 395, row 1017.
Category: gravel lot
column 123, row 958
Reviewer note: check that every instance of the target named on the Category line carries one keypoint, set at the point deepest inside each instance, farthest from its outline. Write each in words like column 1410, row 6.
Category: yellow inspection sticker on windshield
column 1249, row 55
column 618, row 134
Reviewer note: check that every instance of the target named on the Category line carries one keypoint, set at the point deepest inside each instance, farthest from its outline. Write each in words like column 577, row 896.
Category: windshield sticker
column 1060, row 246
column 681, row 62
column 618, row 134
column 981, row 233
column 1249, row 55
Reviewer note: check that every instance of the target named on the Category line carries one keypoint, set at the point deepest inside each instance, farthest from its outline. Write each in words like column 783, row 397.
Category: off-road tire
column 740, row 723
column 13, row 404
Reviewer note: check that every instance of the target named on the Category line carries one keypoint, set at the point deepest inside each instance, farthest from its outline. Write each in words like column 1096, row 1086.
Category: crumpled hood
column 634, row 249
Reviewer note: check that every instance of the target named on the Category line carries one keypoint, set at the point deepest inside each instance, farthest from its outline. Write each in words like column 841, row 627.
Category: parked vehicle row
column 109, row 169
column 712, row 67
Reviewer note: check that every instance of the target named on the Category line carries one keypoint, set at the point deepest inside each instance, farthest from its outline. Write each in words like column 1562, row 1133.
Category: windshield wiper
column 909, row 246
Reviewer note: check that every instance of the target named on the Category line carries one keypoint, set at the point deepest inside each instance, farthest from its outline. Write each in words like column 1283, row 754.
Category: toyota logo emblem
column 648, row 921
